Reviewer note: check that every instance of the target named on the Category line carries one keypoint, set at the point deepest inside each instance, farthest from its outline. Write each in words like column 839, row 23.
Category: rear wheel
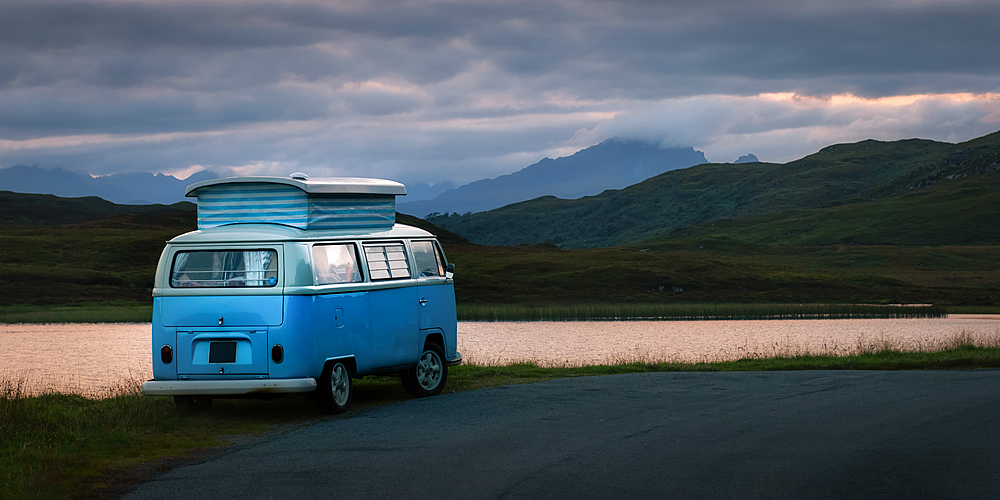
column 334, row 391
column 430, row 374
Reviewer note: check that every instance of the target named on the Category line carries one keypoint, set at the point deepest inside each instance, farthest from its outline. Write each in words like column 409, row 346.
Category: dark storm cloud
column 458, row 84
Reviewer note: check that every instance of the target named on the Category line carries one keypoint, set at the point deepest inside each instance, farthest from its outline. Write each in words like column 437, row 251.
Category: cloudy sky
column 431, row 91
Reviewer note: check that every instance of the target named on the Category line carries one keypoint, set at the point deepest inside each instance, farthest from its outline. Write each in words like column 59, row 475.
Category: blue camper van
column 300, row 285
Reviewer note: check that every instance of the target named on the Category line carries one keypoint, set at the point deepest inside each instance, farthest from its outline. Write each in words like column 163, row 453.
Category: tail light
column 277, row 353
column 166, row 354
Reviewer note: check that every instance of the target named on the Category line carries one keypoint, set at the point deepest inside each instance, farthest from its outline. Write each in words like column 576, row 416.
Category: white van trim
column 226, row 387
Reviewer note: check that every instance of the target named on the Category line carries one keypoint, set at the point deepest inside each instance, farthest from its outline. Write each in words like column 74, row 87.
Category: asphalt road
column 795, row 435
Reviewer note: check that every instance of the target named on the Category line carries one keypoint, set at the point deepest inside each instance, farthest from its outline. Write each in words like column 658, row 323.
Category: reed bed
column 693, row 312
column 766, row 352
column 76, row 314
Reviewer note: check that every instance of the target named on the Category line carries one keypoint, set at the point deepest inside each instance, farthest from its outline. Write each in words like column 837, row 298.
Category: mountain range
column 612, row 164
column 131, row 188
column 909, row 192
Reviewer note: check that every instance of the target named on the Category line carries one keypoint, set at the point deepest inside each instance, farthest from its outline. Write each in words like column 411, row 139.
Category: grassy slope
column 923, row 235
column 838, row 175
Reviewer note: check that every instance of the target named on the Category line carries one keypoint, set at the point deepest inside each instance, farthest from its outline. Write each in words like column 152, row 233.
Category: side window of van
column 224, row 268
column 428, row 258
column 387, row 261
column 336, row 264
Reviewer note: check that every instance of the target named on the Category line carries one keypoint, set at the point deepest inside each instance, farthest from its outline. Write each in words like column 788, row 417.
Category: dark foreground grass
column 65, row 445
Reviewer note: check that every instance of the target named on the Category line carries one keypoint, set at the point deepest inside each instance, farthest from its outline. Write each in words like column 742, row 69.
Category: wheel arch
column 348, row 361
column 434, row 336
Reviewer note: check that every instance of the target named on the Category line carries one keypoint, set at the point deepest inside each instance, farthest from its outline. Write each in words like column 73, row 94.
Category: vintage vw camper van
column 300, row 285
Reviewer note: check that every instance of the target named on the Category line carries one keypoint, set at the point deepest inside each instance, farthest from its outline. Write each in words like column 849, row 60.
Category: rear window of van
column 224, row 268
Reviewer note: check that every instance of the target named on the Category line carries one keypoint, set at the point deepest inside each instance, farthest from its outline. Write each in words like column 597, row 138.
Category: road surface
column 810, row 434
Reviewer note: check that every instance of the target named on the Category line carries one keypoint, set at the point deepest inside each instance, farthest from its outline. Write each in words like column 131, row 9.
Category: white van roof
column 319, row 185
column 246, row 233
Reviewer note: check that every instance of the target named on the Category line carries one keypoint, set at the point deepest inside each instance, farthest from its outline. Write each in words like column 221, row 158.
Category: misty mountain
column 420, row 191
column 747, row 158
column 612, row 164
column 923, row 192
column 132, row 188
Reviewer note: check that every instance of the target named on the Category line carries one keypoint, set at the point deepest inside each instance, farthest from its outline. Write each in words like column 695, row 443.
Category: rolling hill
column 933, row 192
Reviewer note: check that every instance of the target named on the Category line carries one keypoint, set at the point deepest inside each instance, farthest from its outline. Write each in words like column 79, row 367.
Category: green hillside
column 901, row 222
column 842, row 175
column 84, row 250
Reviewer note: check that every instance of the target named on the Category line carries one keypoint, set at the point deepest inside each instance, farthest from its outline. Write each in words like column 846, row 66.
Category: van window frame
column 361, row 264
column 406, row 253
column 277, row 269
column 438, row 255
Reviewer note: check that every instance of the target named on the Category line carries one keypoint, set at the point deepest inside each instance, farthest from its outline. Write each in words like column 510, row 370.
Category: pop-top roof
column 322, row 203
column 319, row 185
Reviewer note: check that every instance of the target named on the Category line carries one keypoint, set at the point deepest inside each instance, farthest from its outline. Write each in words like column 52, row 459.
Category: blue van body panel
column 163, row 336
column 395, row 327
column 321, row 327
column 439, row 312
column 236, row 310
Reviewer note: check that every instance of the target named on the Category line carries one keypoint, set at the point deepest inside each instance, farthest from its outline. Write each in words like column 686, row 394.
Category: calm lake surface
column 91, row 358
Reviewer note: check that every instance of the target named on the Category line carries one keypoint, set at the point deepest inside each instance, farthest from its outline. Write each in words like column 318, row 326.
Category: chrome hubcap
column 339, row 384
column 429, row 371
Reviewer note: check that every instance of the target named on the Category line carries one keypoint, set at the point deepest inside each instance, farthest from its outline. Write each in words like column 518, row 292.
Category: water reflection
column 595, row 342
column 91, row 358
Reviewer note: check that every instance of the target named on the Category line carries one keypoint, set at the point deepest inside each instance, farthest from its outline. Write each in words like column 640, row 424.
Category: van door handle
column 423, row 302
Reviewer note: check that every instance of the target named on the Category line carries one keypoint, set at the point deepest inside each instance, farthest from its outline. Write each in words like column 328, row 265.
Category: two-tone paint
column 287, row 333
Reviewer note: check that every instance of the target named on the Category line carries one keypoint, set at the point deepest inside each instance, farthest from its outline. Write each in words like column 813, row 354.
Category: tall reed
column 695, row 312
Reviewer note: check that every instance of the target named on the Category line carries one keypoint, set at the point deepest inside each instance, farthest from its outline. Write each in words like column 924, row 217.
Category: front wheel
column 334, row 391
column 430, row 374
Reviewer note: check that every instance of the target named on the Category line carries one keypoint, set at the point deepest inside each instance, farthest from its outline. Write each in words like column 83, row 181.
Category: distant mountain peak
column 136, row 188
column 747, row 158
column 613, row 164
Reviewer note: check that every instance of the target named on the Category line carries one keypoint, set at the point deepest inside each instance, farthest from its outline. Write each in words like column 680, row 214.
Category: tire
column 335, row 388
column 428, row 377
column 193, row 404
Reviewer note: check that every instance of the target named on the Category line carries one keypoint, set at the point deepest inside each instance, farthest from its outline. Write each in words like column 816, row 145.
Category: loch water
column 91, row 358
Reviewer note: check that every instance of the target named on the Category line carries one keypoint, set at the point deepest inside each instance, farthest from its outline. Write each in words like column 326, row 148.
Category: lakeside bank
column 62, row 445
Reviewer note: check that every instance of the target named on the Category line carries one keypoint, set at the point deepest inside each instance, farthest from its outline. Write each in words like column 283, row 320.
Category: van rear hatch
column 218, row 336
column 218, row 352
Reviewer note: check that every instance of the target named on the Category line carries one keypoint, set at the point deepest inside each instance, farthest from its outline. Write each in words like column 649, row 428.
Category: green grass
column 84, row 313
column 583, row 312
column 104, row 313
column 974, row 310
column 65, row 445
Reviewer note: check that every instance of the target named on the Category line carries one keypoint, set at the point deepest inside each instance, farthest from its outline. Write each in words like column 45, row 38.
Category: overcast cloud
column 456, row 91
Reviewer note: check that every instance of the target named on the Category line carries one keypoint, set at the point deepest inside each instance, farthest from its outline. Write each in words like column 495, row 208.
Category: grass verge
column 65, row 445
column 696, row 312
column 85, row 313
column 138, row 313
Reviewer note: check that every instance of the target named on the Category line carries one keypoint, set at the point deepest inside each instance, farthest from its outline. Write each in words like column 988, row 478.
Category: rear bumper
column 457, row 360
column 226, row 387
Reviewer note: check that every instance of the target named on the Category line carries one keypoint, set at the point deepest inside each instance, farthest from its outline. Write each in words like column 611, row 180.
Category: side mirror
column 450, row 271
